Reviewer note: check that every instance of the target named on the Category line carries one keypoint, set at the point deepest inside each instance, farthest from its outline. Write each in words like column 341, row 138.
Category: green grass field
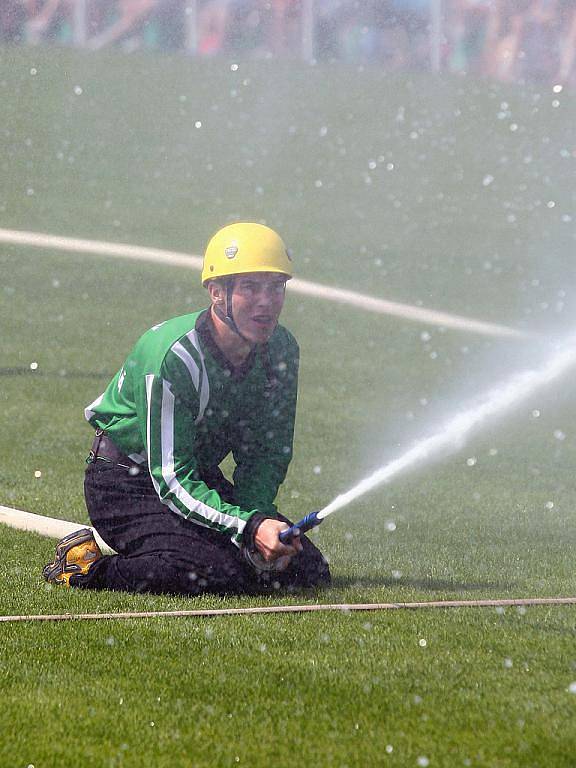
column 105, row 147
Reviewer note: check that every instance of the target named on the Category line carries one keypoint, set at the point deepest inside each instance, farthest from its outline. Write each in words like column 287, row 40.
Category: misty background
column 416, row 151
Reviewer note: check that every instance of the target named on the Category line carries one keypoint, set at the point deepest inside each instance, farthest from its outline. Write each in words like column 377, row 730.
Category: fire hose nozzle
column 310, row 521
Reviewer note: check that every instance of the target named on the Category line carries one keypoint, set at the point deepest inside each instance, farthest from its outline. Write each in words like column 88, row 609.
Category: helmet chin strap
column 227, row 318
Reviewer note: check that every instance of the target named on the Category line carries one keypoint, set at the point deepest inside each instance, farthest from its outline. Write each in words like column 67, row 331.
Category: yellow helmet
column 244, row 247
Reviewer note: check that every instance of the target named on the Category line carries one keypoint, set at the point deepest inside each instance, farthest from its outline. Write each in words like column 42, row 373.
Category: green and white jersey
column 177, row 405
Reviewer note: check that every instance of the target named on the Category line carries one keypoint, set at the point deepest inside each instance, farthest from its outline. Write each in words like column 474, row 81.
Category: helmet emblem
column 231, row 251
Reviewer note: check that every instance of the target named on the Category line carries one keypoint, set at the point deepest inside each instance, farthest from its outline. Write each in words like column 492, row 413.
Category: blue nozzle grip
column 310, row 521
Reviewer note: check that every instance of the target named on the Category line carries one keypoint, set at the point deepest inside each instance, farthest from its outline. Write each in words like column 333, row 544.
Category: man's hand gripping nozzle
column 287, row 536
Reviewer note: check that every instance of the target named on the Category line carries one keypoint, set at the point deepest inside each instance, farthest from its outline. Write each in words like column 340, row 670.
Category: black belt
column 103, row 449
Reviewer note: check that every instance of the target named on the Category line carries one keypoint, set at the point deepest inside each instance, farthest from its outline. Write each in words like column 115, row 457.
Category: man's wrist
column 249, row 533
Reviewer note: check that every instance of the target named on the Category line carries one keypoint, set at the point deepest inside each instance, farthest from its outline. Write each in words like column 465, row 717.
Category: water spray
column 453, row 434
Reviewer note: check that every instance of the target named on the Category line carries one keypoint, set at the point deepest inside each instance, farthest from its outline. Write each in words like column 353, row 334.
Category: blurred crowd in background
column 531, row 40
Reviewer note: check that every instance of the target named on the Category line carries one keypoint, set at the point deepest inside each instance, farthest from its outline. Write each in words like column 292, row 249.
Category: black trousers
column 160, row 552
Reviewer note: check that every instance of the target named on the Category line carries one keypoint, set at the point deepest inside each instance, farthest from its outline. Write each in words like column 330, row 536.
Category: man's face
column 257, row 300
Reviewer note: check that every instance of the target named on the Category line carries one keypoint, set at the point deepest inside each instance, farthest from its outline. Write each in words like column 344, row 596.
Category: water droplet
column 37, row 473
column 549, row 505
column 390, row 525
column 559, row 435
column 78, row 90
column 557, row 89
column 317, row 469
column 390, row 748
column 508, row 663
column 33, row 71
column 535, row 413
column 423, row 761
column 422, row 642
column 471, row 461
column 234, row 67
column 198, row 124
column 572, row 687
column 487, row 180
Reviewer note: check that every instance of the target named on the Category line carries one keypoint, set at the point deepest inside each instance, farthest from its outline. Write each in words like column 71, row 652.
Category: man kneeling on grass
column 193, row 390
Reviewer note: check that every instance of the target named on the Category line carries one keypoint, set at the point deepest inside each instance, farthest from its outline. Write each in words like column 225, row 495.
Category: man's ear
column 216, row 291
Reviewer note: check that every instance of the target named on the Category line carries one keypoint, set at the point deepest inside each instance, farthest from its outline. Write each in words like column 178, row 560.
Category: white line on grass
column 304, row 287
column 308, row 608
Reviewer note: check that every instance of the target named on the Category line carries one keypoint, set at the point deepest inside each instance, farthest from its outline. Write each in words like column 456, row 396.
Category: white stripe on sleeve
column 149, row 384
column 169, row 474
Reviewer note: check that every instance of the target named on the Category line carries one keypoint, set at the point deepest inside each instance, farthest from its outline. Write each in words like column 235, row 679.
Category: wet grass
column 438, row 688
